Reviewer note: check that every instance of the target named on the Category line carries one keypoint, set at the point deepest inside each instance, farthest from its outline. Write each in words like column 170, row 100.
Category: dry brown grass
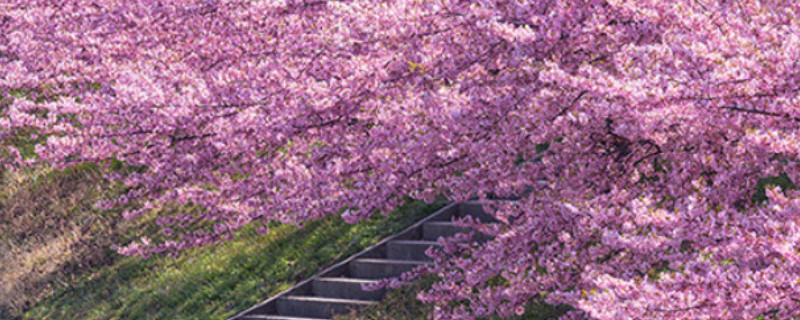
column 50, row 231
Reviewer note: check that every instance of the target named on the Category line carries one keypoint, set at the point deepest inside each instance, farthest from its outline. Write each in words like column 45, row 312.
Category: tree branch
column 561, row 113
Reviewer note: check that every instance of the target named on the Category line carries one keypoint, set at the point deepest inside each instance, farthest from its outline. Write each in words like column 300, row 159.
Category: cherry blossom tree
column 653, row 143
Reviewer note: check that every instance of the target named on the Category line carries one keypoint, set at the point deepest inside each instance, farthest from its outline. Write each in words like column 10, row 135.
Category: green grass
column 221, row 280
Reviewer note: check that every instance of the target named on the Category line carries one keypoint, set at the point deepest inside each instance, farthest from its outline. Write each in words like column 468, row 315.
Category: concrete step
column 409, row 249
column 381, row 268
column 345, row 288
column 474, row 209
column 435, row 229
column 276, row 317
column 431, row 231
column 317, row 307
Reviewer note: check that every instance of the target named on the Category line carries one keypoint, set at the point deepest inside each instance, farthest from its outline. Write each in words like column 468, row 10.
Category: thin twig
column 561, row 113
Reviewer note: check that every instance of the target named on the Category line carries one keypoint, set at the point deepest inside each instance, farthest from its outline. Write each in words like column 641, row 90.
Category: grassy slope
column 49, row 232
column 78, row 277
column 216, row 282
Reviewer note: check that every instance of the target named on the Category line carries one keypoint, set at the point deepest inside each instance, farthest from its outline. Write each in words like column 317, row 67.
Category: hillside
column 57, row 262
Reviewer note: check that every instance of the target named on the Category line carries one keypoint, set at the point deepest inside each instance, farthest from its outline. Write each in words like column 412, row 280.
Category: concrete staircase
column 337, row 289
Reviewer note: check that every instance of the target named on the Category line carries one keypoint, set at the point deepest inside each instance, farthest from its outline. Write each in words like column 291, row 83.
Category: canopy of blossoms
column 658, row 128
